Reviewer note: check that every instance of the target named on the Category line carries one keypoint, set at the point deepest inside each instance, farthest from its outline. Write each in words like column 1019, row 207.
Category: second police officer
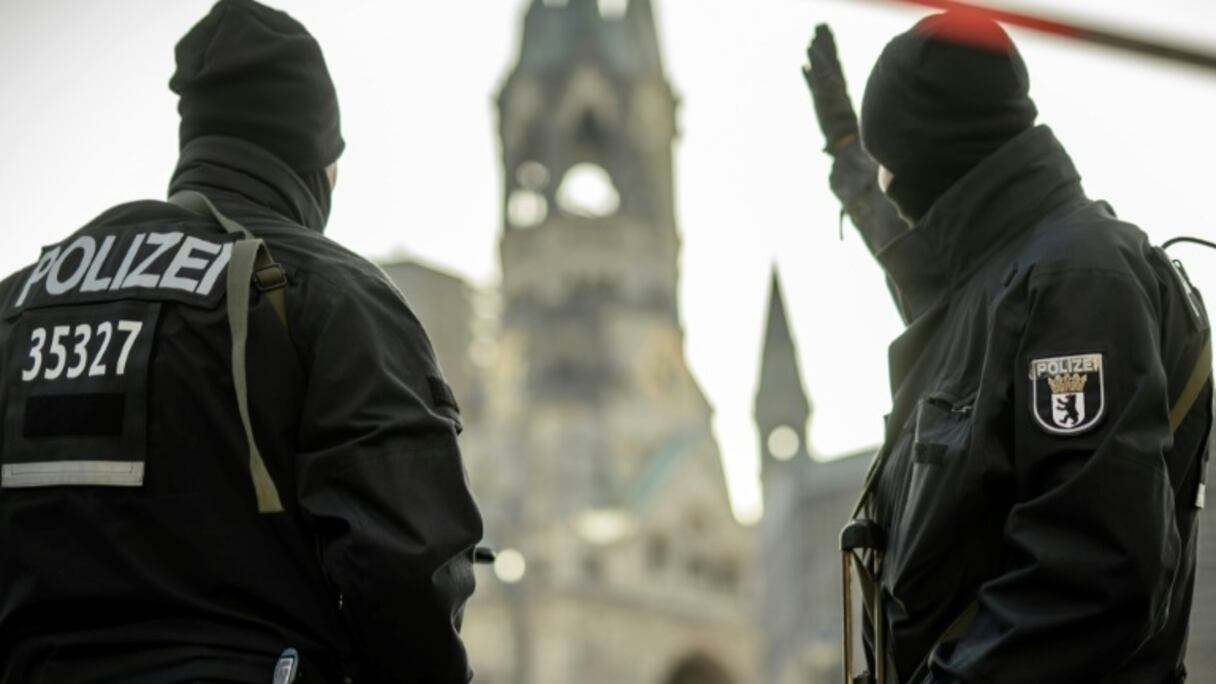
column 1032, row 514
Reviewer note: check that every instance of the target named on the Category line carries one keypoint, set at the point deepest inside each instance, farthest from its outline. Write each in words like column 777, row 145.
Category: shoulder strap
column 1194, row 385
column 270, row 276
column 1198, row 377
column 243, row 269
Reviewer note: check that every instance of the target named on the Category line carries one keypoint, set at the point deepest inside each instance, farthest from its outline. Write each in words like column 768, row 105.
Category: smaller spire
column 780, row 397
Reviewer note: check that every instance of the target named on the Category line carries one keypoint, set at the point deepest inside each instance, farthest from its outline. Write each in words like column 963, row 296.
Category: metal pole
column 846, row 574
column 1086, row 34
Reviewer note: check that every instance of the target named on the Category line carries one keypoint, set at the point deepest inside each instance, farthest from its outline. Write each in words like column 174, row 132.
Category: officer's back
column 173, row 512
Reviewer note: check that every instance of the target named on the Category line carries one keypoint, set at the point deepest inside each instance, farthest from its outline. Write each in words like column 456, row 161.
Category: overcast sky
column 88, row 121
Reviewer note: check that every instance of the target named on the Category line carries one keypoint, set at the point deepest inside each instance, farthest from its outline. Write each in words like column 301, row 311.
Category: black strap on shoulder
column 247, row 253
column 1194, row 385
column 269, row 277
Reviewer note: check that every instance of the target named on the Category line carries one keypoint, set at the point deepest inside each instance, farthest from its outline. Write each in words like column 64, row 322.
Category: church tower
column 587, row 122
column 605, row 477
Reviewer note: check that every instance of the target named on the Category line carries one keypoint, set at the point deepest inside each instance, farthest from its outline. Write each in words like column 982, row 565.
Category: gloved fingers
column 822, row 51
column 825, row 39
column 824, row 63
column 825, row 79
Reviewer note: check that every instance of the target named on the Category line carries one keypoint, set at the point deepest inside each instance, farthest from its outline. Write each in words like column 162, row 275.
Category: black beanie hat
column 255, row 73
column 942, row 97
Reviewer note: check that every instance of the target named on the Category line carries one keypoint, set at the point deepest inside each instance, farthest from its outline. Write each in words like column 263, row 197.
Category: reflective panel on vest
column 77, row 389
column 81, row 332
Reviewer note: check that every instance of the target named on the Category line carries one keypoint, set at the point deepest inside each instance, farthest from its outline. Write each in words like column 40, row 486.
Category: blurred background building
column 447, row 305
column 806, row 502
column 590, row 447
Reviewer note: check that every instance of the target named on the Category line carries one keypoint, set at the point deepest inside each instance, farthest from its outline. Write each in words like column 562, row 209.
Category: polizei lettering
column 1086, row 363
column 156, row 264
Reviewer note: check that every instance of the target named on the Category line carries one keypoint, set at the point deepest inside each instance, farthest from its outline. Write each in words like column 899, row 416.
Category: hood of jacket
column 228, row 168
column 1024, row 182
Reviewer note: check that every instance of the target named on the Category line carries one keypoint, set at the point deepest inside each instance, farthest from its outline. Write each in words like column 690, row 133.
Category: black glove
column 835, row 112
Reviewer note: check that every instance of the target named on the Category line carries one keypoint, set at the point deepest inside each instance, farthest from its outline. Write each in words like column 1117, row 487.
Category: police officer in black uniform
column 1031, row 516
column 228, row 451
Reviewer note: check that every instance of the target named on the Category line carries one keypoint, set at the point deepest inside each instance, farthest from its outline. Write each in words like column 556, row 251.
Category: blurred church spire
column 618, row 33
column 782, row 408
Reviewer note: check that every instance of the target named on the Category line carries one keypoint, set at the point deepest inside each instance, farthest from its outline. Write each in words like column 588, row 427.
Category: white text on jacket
column 169, row 261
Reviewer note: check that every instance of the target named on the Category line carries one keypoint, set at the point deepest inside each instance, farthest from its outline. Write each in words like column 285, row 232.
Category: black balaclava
column 942, row 97
column 252, row 72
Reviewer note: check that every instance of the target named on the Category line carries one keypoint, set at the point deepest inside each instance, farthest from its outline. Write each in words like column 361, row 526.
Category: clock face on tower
column 783, row 443
column 587, row 190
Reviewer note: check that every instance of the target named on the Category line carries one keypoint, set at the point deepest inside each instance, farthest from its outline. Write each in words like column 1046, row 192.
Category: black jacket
column 155, row 565
column 1029, row 465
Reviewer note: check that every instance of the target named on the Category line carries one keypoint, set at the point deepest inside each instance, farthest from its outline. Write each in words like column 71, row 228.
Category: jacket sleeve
column 380, row 477
column 1090, row 544
column 854, row 181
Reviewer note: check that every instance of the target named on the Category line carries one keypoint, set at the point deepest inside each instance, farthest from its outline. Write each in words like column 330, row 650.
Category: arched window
column 613, row 9
column 527, row 206
column 587, row 190
column 527, row 209
column 532, row 175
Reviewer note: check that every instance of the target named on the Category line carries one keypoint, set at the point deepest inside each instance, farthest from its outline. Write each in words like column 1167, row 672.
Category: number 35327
column 85, row 349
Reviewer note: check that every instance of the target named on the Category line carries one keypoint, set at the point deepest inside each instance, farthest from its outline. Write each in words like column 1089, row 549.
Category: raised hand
column 837, row 119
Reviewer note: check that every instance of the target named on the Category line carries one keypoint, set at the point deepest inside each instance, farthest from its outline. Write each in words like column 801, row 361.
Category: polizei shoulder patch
column 1068, row 395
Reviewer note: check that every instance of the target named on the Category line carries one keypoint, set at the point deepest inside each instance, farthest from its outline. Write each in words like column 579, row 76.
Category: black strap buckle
column 863, row 534
column 270, row 277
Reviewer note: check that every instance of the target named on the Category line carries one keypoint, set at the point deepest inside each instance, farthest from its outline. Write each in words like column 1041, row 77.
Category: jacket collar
column 1028, row 179
column 227, row 168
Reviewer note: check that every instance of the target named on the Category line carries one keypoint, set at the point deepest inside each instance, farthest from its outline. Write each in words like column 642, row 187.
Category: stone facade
column 591, row 451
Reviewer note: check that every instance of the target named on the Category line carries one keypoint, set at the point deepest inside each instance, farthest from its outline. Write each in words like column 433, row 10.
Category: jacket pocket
column 940, row 441
column 940, row 495
column 943, row 425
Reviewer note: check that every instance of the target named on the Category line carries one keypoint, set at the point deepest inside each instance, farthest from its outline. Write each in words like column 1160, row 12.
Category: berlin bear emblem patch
column 1068, row 393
